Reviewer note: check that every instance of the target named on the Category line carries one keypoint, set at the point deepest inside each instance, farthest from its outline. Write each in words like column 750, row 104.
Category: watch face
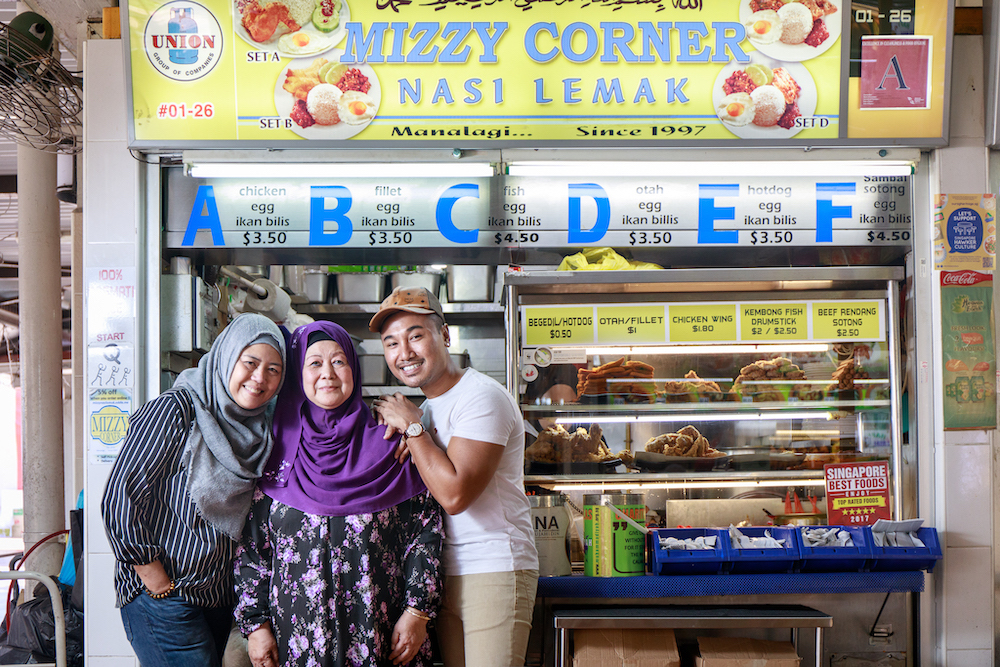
column 415, row 429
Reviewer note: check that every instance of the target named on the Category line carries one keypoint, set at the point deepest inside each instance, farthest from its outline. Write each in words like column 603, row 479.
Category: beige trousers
column 485, row 619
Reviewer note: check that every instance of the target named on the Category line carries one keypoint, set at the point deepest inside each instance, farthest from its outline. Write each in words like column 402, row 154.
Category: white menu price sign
column 540, row 212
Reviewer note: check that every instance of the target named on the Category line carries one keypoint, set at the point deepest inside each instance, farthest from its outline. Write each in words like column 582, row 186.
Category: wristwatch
column 414, row 429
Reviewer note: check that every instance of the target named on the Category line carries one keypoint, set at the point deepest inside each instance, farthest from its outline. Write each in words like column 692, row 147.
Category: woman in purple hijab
column 339, row 563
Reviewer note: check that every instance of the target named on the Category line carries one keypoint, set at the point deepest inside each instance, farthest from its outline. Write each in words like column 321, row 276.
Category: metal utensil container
column 360, row 287
column 316, row 285
column 421, row 277
column 471, row 283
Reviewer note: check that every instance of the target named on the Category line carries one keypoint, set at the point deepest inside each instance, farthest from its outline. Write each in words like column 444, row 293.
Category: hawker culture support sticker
column 965, row 232
column 968, row 351
column 449, row 73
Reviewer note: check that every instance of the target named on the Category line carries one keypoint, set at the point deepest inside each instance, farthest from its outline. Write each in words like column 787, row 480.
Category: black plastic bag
column 32, row 631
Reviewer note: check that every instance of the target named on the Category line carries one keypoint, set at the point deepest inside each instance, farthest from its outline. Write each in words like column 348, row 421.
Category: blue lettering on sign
column 204, row 201
column 576, row 233
column 319, row 215
column 442, row 213
column 826, row 211
column 708, row 213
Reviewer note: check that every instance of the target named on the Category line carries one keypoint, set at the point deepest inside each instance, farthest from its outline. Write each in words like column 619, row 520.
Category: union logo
column 183, row 40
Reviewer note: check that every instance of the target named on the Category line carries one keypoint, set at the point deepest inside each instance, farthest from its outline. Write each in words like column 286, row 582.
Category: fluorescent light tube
column 707, row 416
column 727, row 484
column 709, row 349
column 700, row 169
column 340, row 170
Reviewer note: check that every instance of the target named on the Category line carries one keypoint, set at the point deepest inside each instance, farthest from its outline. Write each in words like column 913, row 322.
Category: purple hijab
column 332, row 462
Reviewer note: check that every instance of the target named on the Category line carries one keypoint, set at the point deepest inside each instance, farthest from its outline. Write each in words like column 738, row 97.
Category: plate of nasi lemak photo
column 292, row 28
column 326, row 99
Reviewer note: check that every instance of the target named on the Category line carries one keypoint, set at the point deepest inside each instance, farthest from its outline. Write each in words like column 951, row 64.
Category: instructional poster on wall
column 965, row 232
column 969, row 356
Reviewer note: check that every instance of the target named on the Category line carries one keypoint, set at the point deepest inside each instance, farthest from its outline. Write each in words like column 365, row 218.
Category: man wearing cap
column 468, row 445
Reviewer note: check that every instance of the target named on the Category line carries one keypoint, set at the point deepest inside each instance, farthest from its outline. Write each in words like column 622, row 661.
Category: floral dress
column 334, row 587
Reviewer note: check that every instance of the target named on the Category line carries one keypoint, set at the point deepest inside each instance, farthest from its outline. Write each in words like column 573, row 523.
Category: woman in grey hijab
column 180, row 491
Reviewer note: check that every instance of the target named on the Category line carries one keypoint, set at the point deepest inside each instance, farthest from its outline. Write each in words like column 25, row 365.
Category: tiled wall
column 110, row 187
column 965, row 481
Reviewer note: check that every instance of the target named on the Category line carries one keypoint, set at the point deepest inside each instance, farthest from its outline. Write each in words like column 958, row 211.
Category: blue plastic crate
column 704, row 561
column 765, row 561
column 896, row 559
column 836, row 559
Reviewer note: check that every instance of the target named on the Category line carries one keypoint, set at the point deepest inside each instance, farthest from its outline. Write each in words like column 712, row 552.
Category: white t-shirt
column 494, row 534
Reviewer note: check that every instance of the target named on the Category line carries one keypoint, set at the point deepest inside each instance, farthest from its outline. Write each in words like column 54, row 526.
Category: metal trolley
column 57, row 610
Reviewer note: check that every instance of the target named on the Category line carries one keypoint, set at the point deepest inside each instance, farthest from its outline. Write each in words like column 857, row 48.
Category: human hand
column 262, row 648
column 396, row 412
column 407, row 638
column 153, row 576
column 402, row 451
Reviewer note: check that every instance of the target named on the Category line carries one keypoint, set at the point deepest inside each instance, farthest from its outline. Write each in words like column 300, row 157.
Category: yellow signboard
column 557, row 325
column 704, row 322
column 631, row 324
column 460, row 74
column 847, row 320
column 773, row 321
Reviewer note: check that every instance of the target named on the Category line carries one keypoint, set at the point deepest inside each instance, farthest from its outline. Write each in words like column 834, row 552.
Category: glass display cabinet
column 705, row 378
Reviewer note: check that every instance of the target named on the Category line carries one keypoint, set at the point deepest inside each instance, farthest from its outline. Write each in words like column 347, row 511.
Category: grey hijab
column 228, row 446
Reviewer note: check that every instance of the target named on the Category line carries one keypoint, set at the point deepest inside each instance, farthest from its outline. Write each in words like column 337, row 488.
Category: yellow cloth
column 602, row 259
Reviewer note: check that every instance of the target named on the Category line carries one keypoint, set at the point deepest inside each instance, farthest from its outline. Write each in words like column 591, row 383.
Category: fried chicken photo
column 262, row 22
column 299, row 82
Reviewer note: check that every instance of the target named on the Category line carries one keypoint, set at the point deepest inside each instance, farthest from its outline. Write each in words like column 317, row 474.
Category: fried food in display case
column 692, row 388
column 557, row 445
column 774, row 379
column 629, row 380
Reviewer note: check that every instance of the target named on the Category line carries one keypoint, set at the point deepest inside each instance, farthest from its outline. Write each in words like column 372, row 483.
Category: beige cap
column 417, row 300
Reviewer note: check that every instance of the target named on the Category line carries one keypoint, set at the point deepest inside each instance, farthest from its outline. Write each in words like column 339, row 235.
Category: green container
column 612, row 547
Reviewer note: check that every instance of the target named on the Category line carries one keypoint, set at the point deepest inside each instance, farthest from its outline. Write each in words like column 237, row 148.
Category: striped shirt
column 148, row 514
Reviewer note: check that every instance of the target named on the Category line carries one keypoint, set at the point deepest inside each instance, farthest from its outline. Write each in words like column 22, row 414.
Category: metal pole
column 40, row 294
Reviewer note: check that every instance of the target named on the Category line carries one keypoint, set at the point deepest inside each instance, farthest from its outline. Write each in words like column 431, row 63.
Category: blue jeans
column 175, row 633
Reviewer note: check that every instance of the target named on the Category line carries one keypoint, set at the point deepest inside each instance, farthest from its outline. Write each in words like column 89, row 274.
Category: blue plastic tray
column 670, row 561
column 836, row 559
column 896, row 559
column 764, row 561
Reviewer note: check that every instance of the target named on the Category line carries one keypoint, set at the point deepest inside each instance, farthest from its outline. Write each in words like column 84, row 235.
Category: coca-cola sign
column 962, row 278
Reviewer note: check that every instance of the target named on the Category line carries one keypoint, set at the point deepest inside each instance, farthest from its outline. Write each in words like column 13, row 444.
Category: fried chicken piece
column 262, row 22
column 557, row 445
column 299, row 82
column 826, row 6
column 784, row 82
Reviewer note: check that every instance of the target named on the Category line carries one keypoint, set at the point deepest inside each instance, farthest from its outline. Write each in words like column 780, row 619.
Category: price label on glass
column 555, row 325
column 711, row 322
column 853, row 320
column 773, row 321
column 633, row 325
